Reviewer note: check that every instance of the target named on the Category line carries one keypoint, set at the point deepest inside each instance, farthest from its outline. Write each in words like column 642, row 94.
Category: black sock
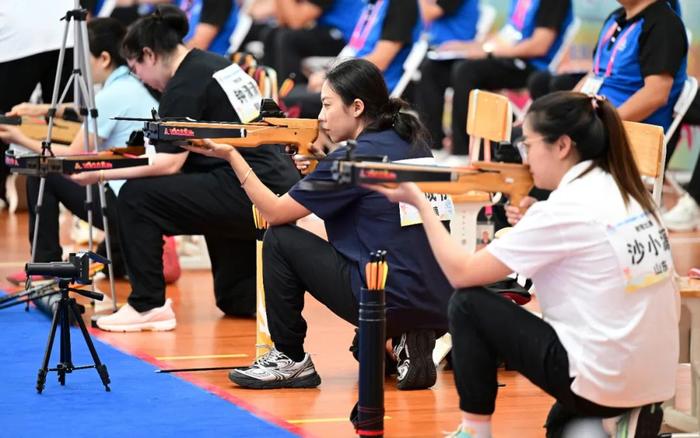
column 296, row 353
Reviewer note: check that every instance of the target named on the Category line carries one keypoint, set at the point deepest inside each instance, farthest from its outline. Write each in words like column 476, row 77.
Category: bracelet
column 101, row 177
column 245, row 178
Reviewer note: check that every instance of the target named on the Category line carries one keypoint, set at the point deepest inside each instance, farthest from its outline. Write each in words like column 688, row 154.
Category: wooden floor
column 205, row 337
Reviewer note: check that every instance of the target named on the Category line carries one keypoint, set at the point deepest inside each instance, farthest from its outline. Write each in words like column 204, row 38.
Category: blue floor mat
column 141, row 402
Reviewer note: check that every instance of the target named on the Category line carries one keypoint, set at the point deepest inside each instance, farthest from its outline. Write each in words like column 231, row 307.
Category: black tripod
column 62, row 317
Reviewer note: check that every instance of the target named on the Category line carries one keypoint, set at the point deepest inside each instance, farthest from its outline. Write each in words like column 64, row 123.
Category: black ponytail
column 360, row 79
column 105, row 35
column 162, row 32
column 598, row 134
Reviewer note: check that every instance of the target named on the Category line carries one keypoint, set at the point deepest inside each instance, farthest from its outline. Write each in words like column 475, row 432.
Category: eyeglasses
column 523, row 145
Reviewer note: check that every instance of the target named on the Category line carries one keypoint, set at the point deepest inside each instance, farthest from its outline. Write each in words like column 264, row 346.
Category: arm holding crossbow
column 461, row 268
column 276, row 210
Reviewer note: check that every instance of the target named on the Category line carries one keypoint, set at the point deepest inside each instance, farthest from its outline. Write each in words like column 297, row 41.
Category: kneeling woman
column 601, row 264
column 356, row 106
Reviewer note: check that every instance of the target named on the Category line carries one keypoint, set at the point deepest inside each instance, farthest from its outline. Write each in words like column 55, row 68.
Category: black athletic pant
column 544, row 82
column 212, row 204
column 484, row 74
column 59, row 189
column 429, row 96
column 19, row 77
column 285, row 48
column 306, row 102
column 295, row 261
column 486, row 329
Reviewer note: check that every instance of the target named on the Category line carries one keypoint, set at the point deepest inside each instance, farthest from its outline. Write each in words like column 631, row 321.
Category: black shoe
column 389, row 361
column 414, row 353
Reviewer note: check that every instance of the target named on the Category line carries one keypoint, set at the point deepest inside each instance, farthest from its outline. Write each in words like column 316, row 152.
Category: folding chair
column 649, row 150
column 243, row 25
column 648, row 147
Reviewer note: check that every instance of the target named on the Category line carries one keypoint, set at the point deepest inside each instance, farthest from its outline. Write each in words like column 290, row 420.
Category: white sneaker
column 276, row 370
column 685, row 216
column 127, row 319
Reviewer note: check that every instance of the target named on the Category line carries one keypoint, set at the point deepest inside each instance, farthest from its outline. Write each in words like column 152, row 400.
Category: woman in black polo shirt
column 356, row 106
column 183, row 193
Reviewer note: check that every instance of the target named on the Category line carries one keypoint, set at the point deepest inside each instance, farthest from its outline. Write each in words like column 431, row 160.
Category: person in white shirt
column 601, row 264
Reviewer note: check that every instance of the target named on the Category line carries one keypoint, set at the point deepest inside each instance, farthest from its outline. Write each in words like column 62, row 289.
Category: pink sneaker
column 127, row 319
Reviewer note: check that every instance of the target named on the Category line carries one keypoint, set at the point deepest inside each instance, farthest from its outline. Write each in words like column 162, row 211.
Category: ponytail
column 619, row 160
column 162, row 32
column 598, row 134
column 395, row 115
column 360, row 79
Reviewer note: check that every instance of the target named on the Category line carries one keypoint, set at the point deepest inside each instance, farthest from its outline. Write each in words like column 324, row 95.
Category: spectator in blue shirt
column 309, row 28
column 445, row 21
column 528, row 42
column 211, row 24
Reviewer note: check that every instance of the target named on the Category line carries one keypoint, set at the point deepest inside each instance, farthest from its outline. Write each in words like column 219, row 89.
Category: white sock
column 477, row 429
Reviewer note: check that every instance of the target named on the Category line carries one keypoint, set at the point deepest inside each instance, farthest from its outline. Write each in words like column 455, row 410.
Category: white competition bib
column 242, row 91
column 442, row 206
column 592, row 84
column 642, row 250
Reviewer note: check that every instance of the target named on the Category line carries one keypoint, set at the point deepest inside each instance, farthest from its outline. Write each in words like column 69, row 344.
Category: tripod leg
column 66, row 364
column 41, row 378
column 99, row 366
column 108, row 244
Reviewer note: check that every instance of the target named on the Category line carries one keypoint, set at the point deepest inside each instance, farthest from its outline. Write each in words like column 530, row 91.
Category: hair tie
column 596, row 99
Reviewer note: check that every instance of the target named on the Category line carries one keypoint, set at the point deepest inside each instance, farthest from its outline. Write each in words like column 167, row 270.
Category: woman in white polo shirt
column 601, row 264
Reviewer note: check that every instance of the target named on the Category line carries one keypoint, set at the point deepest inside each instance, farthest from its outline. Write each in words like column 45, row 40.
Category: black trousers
column 307, row 102
column 295, row 261
column 212, row 204
column 19, row 77
column 58, row 189
column 285, row 48
column 544, row 82
column 692, row 117
column 429, row 96
column 486, row 329
column 484, row 74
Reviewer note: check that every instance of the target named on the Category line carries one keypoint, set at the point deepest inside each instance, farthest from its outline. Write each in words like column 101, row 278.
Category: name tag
column 642, row 250
column 592, row 84
column 242, row 91
column 442, row 206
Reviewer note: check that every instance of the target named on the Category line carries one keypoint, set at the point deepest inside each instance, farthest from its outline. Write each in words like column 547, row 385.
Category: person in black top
column 356, row 106
column 183, row 193
column 383, row 35
column 308, row 28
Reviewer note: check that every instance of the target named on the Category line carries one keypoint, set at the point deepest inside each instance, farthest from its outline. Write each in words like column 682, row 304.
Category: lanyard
column 365, row 24
column 520, row 12
column 605, row 40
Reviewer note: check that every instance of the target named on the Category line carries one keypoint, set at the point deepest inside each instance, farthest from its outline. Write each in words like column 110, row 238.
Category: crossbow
column 272, row 128
column 514, row 180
